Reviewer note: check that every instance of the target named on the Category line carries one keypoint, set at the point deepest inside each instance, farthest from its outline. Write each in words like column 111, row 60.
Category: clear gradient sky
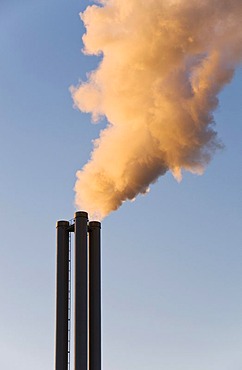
column 171, row 260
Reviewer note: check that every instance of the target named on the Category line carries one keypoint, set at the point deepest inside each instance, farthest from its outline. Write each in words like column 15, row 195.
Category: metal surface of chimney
column 61, row 341
column 94, row 296
column 87, row 289
column 80, row 325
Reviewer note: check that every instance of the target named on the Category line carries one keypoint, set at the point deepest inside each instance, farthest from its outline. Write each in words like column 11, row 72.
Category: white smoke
column 163, row 64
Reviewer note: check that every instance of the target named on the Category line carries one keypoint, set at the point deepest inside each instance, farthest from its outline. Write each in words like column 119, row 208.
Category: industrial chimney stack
column 87, row 303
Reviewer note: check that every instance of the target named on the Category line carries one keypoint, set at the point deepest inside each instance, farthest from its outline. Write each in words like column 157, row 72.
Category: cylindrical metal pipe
column 94, row 295
column 61, row 344
column 80, row 325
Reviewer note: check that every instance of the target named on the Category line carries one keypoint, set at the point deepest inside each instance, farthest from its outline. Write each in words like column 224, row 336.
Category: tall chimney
column 94, row 296
column 80, row 325
column 61, row 343
column 87, row 303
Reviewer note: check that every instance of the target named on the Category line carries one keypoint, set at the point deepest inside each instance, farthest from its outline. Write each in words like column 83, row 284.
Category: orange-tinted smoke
column 163, row 64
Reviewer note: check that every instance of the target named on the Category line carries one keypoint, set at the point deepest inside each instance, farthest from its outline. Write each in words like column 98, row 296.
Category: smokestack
column 87, row 333
column 61, row 359
column 81, row 346
column 94, row 296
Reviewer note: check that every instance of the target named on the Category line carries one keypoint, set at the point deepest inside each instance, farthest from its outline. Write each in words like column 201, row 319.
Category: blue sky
column 171, row 260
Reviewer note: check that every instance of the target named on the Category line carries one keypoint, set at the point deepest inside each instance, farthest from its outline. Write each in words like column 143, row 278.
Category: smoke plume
column 163, row 63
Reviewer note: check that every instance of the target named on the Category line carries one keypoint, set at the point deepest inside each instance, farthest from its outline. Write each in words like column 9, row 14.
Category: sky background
column 171, row 260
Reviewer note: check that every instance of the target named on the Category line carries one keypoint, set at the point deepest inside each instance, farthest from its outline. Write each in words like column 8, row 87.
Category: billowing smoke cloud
column 163, row 64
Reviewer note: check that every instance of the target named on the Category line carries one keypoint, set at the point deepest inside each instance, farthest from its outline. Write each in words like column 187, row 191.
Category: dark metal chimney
column 61, row 341
column 80, row 341
column 87, row 304
column 94, row 296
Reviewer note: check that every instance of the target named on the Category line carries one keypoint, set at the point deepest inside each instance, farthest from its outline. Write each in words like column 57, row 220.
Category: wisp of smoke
column 163, row 63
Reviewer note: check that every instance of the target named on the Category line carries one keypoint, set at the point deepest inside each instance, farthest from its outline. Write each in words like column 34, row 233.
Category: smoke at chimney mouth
column 163, row 64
